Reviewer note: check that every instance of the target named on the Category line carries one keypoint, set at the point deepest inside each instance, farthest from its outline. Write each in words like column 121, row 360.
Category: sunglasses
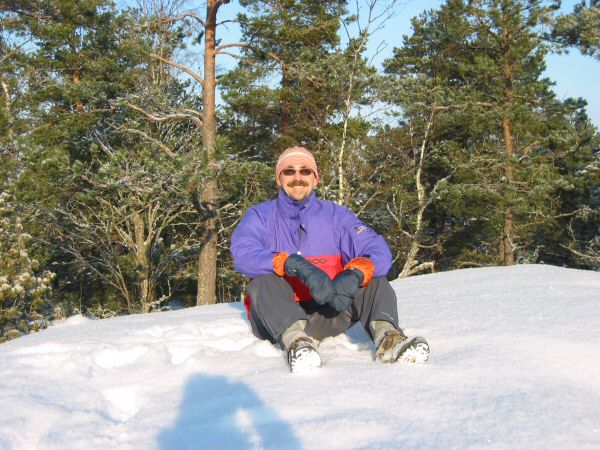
column 304, row 171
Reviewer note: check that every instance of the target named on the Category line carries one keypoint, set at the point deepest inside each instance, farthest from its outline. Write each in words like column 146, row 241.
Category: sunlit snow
column 515, row 364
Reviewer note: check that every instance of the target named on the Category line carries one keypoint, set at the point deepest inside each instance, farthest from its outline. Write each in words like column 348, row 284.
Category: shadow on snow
column 218, row 413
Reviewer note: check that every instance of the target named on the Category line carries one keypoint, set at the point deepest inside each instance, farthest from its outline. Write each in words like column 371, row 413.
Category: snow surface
column 515, row 364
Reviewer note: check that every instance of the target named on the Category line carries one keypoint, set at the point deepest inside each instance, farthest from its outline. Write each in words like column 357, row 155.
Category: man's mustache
column 294, row 183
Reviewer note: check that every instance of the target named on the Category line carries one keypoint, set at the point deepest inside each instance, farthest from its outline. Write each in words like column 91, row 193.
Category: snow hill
column 515, row 364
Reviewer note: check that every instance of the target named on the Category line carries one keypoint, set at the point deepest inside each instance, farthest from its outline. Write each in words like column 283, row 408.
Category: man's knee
column 375, row 298
column 262, row 281
column 269, row 286
column 380, row 286
column 380, row 281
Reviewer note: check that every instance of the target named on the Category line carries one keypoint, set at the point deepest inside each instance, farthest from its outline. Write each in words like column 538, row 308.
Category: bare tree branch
column 233, row 44
column 588, row 257
column 182, row 16
column 233, row 55
column 167, row 117
column 105, row 148
column 149, row 139
column 187, row 70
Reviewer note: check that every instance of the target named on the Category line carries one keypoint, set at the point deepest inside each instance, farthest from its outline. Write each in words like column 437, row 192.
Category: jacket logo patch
column 360, row 229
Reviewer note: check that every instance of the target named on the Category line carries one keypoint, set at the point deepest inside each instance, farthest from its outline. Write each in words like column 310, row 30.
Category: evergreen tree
column 205, row 118
column 79, row 69
column 131, row 225
column 299, row 83
column 279, row 95
column 573, row 238
column 81, row 62
column 579, row 29
column 14, row 75
column 78, row 57
column 24, row 288
column 495, row 127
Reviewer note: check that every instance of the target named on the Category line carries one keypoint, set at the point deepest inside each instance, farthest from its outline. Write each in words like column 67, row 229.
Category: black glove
column 317, row 281
column 345, row 286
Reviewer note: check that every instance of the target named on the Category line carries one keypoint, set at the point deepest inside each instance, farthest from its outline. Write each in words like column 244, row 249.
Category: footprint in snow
column 179, row 354
column 111, row 358
column 156, row 331
column 122, row 402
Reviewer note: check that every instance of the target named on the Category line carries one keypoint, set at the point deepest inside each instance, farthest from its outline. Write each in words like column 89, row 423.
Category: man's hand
column 345, row 286
column 317, row 281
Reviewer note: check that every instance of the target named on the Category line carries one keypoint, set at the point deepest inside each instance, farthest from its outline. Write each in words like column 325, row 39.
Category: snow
column 515, row 364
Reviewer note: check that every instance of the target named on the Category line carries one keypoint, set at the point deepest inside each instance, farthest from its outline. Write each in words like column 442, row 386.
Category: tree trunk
column 507, row 243
column 348, row 105
column 141, row 256
column 340, row 163
column 411, row 265
column 207, row 261
column 77, row 79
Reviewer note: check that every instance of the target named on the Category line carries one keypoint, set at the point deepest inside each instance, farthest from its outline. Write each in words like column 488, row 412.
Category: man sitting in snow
column 316, row 270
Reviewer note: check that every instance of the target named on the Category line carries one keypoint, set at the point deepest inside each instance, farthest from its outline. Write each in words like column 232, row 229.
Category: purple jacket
column 319, row 230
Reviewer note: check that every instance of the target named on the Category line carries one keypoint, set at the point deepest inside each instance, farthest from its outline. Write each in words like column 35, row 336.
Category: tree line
column 123, row 175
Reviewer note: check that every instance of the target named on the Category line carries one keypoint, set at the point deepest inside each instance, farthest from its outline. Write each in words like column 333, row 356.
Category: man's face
column 297, row 181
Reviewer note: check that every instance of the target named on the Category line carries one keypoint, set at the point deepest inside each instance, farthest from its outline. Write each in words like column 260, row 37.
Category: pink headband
column 293, row 156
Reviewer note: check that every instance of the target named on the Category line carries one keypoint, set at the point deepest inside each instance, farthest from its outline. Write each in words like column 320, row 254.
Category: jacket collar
column 290, row 207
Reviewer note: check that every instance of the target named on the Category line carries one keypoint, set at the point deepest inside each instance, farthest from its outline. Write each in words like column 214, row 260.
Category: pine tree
column 15, row 73
column 205, row 28
column 497, row 129
column 24, row 288
column 82, row 143
column 288, row 41
column 79, row 67
column 573, row 238
column 131, row 223
column 579, row 29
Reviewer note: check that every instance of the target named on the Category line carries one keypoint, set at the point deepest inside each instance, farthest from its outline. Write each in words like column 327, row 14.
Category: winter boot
column 303, row 355
column 396, row 347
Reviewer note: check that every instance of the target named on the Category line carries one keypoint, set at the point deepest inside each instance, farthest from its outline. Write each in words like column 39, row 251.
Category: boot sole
column 413, row 350
column 306, row 357
column 307, row 362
